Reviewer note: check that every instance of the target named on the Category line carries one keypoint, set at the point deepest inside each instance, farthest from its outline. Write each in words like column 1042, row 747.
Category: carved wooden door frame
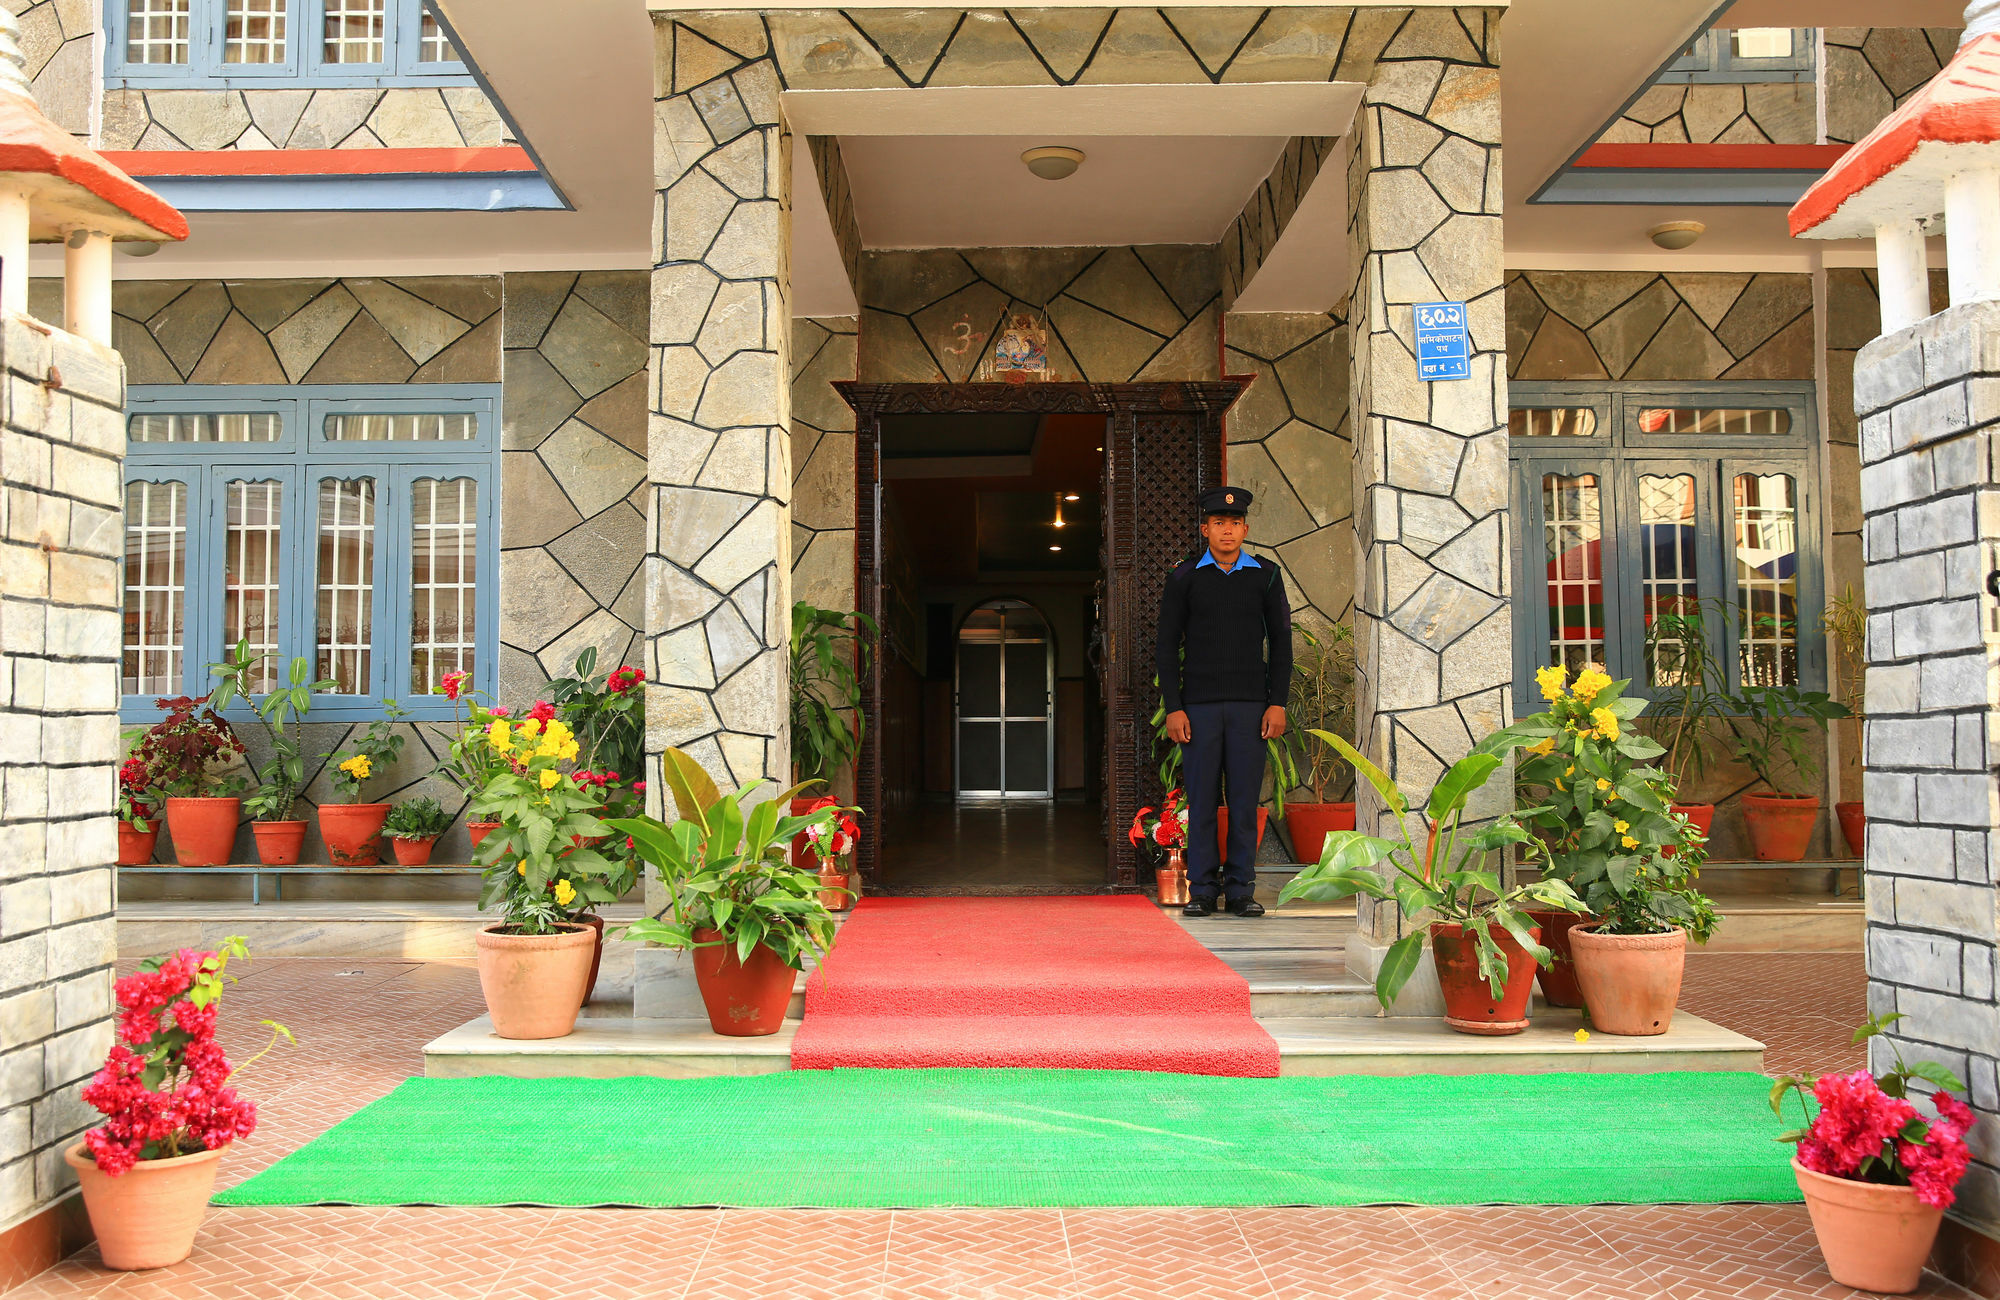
column 1163, row 447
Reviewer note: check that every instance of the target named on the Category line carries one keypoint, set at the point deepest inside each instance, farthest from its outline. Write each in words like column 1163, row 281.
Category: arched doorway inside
column 1004, row 703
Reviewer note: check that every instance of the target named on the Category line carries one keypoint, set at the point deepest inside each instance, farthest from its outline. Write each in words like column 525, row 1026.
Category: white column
column 14, row 252
column 1904, row 271
column 1972, row 234
column 87, row 285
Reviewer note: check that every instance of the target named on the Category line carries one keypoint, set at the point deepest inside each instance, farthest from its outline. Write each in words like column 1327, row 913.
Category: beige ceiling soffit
column 1306, row 270
column 667, row 7
column 1272, row 108
column 819, row 277
column 1844, row 13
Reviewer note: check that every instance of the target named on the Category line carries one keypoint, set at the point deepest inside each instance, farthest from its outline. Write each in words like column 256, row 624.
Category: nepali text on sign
column 1444, row 350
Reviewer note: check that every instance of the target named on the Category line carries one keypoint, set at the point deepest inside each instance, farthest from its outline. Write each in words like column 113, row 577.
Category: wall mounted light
column 1675, row 235
column 1053, row 162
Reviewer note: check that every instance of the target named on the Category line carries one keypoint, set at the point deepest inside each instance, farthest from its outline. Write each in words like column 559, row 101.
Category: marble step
column 1324, row 1045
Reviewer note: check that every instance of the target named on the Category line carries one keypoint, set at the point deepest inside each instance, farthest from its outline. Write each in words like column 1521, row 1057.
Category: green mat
column 911, row 1138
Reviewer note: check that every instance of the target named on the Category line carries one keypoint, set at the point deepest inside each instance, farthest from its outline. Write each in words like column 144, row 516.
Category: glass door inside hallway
column 1005, row 731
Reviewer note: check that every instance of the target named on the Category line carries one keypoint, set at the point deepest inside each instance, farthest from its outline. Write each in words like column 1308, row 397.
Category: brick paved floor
column 361, row 1026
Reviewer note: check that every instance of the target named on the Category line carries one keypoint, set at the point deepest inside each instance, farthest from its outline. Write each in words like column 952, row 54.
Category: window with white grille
column 434, row 46
column 444, row 587
column 155, row 586
column 251, row 574
column 157, row 31
column 254, row 32
column 356, row 30
column 241, row 43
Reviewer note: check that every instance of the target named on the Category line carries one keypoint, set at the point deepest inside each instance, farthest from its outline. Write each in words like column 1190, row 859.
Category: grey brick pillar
column 1431, row 620
column 1929, row 401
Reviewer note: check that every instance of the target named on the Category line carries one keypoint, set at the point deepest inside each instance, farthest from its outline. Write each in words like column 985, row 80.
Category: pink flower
column 499, row 713
column 640, row 786
column 454, row 683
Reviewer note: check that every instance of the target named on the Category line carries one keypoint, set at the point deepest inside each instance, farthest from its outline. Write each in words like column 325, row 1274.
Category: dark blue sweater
column 1237, row 631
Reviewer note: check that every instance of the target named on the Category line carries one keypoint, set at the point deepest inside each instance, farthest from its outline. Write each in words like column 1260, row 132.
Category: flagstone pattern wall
column 1761, row 112
column 61, row 540
column 1930, row 453
column 1251, row 237
column 58, row 37
column 397, row 117
column 823, row 462
column 1870, row 71
column 1643, row 325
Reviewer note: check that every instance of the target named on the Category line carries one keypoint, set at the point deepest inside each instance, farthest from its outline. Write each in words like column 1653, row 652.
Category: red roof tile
column 31, row 144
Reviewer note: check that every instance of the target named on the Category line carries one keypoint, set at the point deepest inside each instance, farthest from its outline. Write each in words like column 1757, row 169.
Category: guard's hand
column 1178, row 729
column 1274, row 723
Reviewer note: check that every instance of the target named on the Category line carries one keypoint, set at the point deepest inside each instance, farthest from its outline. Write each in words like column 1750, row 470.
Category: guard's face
column 1225, row 532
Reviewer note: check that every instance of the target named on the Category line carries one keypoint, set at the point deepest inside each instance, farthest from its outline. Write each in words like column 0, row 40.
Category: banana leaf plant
column 1435, row 875
column 725, row 868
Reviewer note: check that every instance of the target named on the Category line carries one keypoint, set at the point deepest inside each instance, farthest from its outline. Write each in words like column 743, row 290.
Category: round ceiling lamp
column 1053, row 162
column 1676, row 235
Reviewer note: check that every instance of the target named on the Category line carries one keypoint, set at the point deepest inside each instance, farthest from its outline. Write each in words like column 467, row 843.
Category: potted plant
column 138, row 813
column 1484, row 945
column 1877, row 1173
column 1630, row 960
column 828, row 846
column 1322, row 699
column 279, row 835
column 829, row 656
column 1591, row 795
column 353, row 829
column 169, row 1110
column 470, row 759
column 746, row 914
column 606, row 712
column 1162, row 837
column 541, row 869
column 183, row 752
column 1767, row 727
column 1686, row 684
column 413, row 827
column 1845, row 621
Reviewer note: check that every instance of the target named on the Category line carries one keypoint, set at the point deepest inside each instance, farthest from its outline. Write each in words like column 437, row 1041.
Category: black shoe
column 1245, row 907
column 1199, row 907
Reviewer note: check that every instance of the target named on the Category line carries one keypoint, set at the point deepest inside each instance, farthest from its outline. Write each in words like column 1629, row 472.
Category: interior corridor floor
column 995, row 846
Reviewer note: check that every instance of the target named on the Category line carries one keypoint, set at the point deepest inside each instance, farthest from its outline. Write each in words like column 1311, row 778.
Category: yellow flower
column 522, row 868
column 1607, row 723
column 1570, row 770
column 557, row 730
column 496, row 736
column 547, row 749
column 1551, row 681
column 531, row 727
column 1589, row 682
column 1603, row 784
column 549, row 778
column 357, row 767
column 1543, row 747
column 1621, row 827
column 569, row 752
column 1629, row 842
column 565, row 893
column 1583, row 1035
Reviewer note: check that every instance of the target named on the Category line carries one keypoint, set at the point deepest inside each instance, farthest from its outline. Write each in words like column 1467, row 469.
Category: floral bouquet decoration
column 829, row 840
column 170, row 1110
column 1877, row 1173
column 138, row 812
column 1162, row 837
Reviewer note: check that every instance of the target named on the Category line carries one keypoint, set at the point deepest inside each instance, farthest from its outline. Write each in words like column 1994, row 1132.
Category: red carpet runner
column 1086, row 983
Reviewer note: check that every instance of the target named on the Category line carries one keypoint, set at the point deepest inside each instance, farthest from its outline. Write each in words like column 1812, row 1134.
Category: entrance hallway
column 1015, row 846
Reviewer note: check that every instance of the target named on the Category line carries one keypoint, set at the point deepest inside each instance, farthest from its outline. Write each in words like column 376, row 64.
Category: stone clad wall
column 1759, row 112
column 1929, row 401
column 1679, row 326
column 59, row 38
column 396, row 117
column 823, row 463
column 1870, row 71
column 61, row 539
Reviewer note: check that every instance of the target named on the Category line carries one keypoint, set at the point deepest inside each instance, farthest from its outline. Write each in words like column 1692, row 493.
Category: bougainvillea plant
column 165, row 1086
column 1866, row 1128
column 1153, row 831
column 182, row 750
column 138, row 801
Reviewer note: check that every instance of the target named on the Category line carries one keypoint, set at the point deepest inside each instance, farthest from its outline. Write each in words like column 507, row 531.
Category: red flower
column 543, row 711
column 624, row 680
column 499, row 713
column 1137, row 835
column 454, row 683
column 640, row 786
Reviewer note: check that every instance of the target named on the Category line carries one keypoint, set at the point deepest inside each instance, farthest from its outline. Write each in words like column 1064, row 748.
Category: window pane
column 205, row 427
column 444, row 571
column 1572, row 529
column 402, row 428
column 1667, row 575
column 354, row 30
column 1767, row 584
column 256, row 511
column 1714, row 419
column 1556, row 422
column 155, row 586
column 436, row 47
column 1761, row 42
column 156, row 31
column 254, row 32
column 346, row 591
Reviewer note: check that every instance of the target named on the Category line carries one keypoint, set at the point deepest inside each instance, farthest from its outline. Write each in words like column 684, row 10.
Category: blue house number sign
column 1443, row 349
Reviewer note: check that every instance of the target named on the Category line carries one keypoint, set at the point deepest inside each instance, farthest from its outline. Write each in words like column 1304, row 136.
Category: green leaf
column 1392, row 798
column 694, row 790
column 1932, row 1072
column 1458, row 783
column 1398, row 964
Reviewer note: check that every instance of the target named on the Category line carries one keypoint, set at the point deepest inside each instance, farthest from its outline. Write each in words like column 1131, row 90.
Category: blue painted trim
column 1721, row 187
column 300, row 458
column 1713, row 62
column 303, row 67
column 399, row 192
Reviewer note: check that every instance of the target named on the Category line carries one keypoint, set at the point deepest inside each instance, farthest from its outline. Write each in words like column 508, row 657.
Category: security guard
column 1226, row 695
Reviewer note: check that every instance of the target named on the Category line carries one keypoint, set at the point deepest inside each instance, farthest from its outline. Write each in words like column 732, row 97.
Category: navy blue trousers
column 1224, row 748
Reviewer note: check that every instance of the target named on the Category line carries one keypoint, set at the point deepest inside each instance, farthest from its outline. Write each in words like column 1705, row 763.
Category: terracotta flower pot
column 1310, row 823
column 744, row 999
column 412, row 852
column 1853, row 825
column 203, row 830
column 135, row 846
column 147, row 1216
column 1701, row 814
column 278, row 843
column 353, row 832
column 1222, row 830
column 596, row 923
column 1559, row 986
column 534, row 982
column 1631, row 982
column 1781, row 825
column 1875, row 1237
column 477, row 831
column 1469, row 1004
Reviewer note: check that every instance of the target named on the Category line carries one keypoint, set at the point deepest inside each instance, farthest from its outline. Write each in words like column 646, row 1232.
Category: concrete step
column 687, row 1049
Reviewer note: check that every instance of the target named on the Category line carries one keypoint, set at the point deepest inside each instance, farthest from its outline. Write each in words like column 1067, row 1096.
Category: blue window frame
column 1636, row 500
column 1746, row 55
column 241, row 44
column 354, row 525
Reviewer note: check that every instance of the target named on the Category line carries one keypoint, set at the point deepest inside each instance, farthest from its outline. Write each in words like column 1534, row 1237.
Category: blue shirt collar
column 1244, row 560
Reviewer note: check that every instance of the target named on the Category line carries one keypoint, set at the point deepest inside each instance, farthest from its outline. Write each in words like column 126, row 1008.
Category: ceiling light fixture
column 1059, row 519
column 1072, row 496
column 1055, row 548
column 1675, row 235
column 138, row 248
column 1053, row 162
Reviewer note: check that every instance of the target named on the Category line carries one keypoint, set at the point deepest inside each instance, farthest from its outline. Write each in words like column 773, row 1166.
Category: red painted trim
column 322, row 162
column 31, row 143
column 1714, row 157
